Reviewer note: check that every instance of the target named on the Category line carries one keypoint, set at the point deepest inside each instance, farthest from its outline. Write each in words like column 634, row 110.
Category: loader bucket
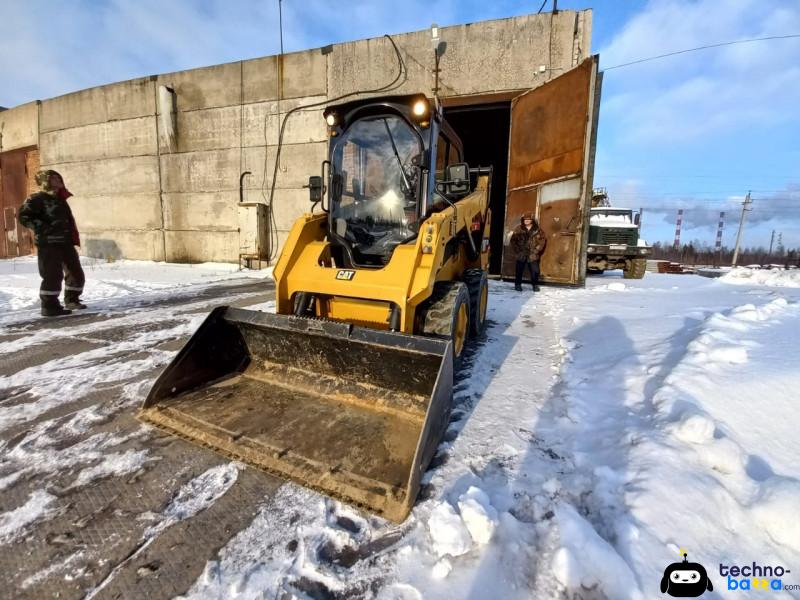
column 353, row 412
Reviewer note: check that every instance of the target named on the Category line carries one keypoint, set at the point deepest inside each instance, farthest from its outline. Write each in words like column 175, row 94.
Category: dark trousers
column 57, row 263
column 532, row 266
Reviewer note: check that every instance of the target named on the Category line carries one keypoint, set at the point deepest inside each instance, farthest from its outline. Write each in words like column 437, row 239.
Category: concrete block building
column 155, row 163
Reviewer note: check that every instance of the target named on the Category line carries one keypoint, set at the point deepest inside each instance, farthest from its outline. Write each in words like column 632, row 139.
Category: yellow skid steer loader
column 347, row 389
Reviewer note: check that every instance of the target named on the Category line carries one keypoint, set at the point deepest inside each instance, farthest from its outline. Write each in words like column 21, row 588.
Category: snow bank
column 770, row 278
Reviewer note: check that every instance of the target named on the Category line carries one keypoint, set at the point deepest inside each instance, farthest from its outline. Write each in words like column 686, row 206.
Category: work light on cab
column 420, row 108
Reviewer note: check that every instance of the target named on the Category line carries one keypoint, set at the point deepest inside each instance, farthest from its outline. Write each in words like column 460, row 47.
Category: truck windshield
column 376, row 207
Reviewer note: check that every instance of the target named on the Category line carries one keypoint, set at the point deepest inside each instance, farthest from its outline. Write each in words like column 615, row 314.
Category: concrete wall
column 19, row 127
column 139, row 197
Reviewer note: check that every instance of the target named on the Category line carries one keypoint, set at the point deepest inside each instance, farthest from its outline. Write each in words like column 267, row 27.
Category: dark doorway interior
column 484, row 130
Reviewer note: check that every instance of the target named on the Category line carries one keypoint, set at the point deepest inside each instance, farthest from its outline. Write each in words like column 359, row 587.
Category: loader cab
column 388, row 161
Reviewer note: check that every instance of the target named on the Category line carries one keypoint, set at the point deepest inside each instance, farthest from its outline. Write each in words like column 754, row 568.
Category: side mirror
column 457, row 177
column 315, row 188
column 636, row 218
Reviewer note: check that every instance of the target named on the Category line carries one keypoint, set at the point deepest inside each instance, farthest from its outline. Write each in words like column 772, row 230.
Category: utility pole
column 771, row 240
column 745, row 210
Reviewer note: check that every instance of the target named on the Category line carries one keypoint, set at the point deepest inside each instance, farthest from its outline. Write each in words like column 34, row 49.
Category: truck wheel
column 636, row 270
column 478, row 285
column 445, row 315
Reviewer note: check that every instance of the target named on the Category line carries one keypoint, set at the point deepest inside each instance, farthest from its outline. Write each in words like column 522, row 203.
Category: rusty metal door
column 551, row 164
column 17, row 168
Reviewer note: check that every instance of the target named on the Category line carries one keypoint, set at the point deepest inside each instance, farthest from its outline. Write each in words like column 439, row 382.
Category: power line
column 676, row 175
column 745, row 41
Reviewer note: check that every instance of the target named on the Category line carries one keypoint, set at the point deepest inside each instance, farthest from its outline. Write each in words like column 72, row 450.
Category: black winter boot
column 73, row 302
column 51, row 307
column 55, row 310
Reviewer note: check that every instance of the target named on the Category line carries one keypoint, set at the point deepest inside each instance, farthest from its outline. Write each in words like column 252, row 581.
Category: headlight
column 420, row 108
column 330, row 119
column 642, row 250
column 590, row 249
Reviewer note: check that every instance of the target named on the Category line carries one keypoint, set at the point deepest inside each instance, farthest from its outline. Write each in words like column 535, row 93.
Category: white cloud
column 101, row 42
column 693, row 95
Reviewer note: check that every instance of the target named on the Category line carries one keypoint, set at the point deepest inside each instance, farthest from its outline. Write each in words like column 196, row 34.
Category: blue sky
column 695, row 131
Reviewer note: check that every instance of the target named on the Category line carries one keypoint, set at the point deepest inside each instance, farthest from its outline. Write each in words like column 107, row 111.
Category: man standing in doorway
column 527, row 244
column 56, row 234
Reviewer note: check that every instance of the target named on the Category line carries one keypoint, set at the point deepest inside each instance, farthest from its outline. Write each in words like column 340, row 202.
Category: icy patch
column 585, row 560
column 56, row 381
column 197, row 495
column 43, row 450
column 113, row 464
column 13, row 523
column 449, row 534
column 193, row 497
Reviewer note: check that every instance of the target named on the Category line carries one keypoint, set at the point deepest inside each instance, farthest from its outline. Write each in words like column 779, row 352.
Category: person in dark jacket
column 56, row 235
column 527, row 244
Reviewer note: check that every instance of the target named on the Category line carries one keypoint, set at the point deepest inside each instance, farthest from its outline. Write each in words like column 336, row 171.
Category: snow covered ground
column 109, row 282
column 597, row 434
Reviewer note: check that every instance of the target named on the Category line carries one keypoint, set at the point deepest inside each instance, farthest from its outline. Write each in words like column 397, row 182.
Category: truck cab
column 614, row 242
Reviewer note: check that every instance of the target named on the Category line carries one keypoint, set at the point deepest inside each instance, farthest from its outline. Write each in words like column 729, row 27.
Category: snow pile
column 454, row 533
column 449, row 534
column 587, row 561
column 771, row 277
column 13, row 523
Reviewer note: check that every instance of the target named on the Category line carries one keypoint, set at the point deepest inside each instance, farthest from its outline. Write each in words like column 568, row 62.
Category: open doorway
column 484, row 131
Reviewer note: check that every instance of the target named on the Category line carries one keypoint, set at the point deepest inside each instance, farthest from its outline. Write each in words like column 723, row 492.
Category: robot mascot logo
column 685, row 579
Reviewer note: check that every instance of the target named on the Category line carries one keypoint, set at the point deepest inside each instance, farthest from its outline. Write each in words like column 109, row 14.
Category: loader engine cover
column 353, row 412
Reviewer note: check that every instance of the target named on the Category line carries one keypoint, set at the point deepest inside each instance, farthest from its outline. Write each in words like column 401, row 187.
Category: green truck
column 614, row 242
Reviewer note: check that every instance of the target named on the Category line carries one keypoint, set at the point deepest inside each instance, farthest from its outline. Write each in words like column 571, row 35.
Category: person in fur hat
column 49, row 216
column 527, row 244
